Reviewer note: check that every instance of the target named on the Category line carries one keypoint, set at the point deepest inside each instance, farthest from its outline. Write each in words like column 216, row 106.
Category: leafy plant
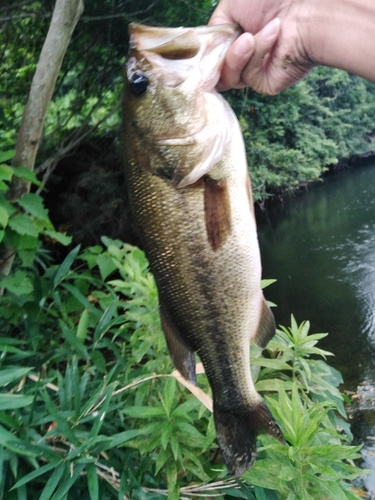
column 310, row 411
column 22, row 223
column 90, row 405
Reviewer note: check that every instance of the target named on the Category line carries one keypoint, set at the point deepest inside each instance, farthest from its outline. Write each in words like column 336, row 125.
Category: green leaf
column 18, row 283
column 23, row 225
column 74, row 341
column 83, row 326
column 33, row 204
column 274, row 364
column 36, row 473
column 161, row 459
column 166, row 434
column 175, row 446
column 4, row 216
column 273, row 385
column 64, row 268
column 53, row 481
column 11, row 374
column 143, row 411
column 92, row 481
column 61, row 238
column 68, row 483
column 267, row 473
column 182, row 411
column 26, row 449
column 13, row 401
column 265, row 283
column 62, row 423
column 169, row 392
column 27, row 175
column 106, row 265
column 6, row 172
column 172, row 478
column 264, row 494
column 6, row 155
column 81, row 298
column 233, row 492
column 191, row 434
column 122, row 437
column 105, row 321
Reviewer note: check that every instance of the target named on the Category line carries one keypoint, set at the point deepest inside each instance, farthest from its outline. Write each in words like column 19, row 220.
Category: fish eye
column 138, row 84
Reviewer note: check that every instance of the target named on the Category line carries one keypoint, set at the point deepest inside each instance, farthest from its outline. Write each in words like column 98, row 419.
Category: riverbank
column 320, row 246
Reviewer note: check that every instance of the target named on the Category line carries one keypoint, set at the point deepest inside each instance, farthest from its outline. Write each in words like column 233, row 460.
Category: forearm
column 341, row 34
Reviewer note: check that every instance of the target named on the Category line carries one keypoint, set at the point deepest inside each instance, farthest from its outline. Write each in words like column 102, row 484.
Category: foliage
column 291, row 139
column 311, row 413
column 22, row 223
column 89, row 406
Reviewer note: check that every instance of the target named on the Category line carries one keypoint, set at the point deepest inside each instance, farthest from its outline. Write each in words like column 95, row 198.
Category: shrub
column 90, row 405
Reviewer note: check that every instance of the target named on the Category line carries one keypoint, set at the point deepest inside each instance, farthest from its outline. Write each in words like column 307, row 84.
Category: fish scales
column 190, row 193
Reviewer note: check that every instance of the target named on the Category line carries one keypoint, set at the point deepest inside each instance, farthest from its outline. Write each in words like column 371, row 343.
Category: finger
column 237, row 57
column 253, row 75
column 218, row 20
column 221, row 15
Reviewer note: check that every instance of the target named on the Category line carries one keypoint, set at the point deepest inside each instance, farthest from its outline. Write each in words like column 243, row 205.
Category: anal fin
column 181, row 353
column 266, row 328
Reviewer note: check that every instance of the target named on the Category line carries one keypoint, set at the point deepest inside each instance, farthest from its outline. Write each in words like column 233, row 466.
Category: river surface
column 320, row 246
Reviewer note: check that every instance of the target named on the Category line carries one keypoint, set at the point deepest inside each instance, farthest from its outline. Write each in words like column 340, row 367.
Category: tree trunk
column 64, row 19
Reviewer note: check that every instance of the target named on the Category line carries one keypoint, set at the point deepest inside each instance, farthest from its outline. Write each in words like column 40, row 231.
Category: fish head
column 168, row 71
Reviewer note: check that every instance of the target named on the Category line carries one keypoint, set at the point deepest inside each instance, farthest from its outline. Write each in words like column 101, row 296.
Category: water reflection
column 360, row 271
column 320, row 246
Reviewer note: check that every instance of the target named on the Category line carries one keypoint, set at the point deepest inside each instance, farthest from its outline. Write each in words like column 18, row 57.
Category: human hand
column 270, row 55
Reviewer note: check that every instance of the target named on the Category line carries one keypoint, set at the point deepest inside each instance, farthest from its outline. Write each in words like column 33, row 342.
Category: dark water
column 320, row 246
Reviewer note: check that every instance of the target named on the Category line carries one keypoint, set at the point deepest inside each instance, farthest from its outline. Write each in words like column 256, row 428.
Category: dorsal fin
column 217, row 212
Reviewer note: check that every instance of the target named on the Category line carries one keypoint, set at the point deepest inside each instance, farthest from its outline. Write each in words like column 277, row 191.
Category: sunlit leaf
column 23, row 225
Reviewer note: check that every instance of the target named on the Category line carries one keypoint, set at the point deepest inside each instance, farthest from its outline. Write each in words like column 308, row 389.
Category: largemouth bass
column 191, row 196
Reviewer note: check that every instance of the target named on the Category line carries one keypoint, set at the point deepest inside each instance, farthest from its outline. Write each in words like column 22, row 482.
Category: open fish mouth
column 172, row 55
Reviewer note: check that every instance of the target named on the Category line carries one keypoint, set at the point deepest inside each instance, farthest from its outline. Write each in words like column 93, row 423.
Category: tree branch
column 50, row 164
column 64, row 19
column 24, row 16
column 16, row 5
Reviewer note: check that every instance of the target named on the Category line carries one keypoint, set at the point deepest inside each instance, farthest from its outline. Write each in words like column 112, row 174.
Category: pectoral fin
column 222, row 120
column 217, row 212
column 181, row 353
column 266, row 327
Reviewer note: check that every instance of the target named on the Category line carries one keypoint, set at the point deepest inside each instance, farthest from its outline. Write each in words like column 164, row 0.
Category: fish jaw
column 182, row 67
column 175, row 56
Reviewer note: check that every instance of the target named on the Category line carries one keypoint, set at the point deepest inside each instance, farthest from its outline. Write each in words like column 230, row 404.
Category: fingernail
column 244, row 45
column 271, row 29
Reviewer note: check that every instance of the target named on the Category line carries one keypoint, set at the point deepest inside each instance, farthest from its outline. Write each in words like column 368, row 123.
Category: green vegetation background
column 88, row 407
column 291, row 139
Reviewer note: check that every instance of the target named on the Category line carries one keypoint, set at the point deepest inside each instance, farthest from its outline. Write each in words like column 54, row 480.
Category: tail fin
column 237, row 432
